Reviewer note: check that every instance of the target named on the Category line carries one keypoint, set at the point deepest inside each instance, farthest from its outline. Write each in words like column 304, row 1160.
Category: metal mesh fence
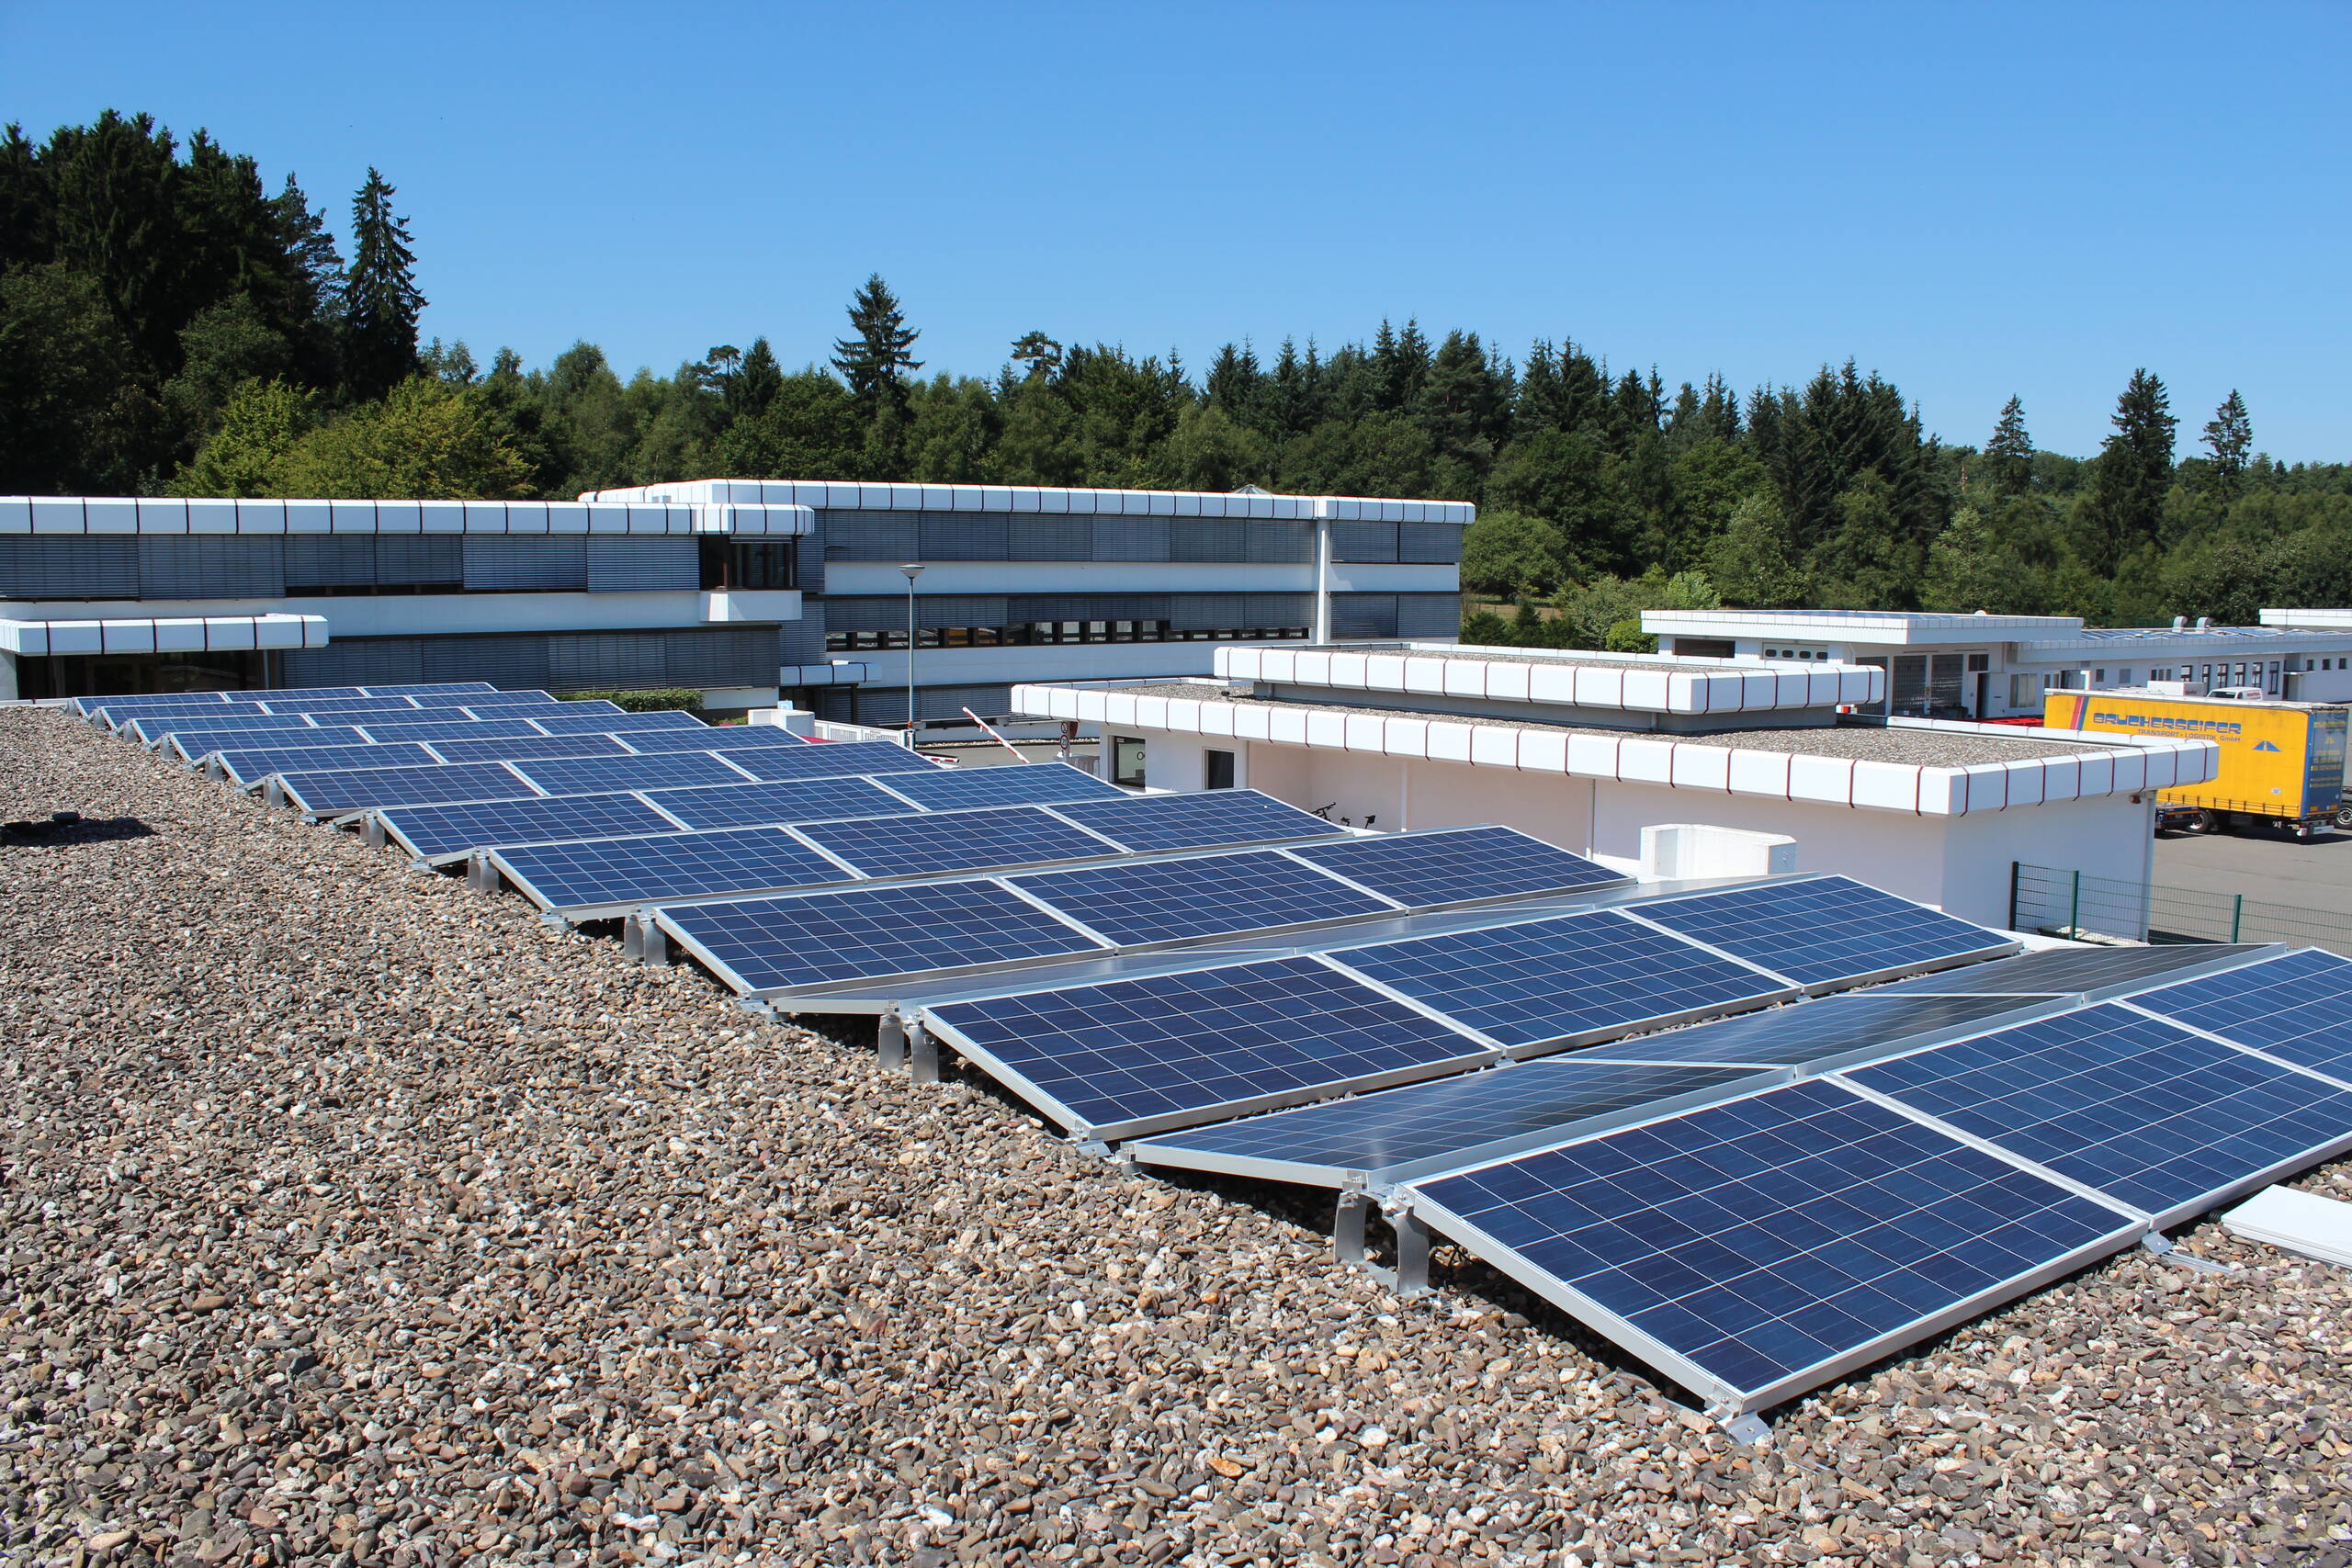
column 2067, row 903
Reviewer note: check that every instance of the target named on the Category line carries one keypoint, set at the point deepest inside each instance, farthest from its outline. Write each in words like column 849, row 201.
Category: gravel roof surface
column 1869, row 743
column 355, row 1216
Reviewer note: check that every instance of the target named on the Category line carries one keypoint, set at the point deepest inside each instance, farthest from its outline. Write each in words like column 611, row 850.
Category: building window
column 1978, row 663
column 1127, row 760
column 1045, row 634
column 1216, row 769
column 2025, row 690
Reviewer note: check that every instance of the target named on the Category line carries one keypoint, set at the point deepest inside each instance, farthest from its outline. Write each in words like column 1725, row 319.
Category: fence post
column 2074, row 913
column 2238, row 916
column 2017, row 871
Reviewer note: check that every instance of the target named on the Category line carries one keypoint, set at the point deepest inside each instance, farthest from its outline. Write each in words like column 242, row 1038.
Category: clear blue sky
column 1975, row 200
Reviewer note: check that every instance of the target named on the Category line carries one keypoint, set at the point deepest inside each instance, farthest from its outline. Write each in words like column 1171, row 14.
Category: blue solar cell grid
column 157, row 701
column 2298, row 1008
column 119, row 715
column 1196, row 821
column 480, row 699
column 1820, row 931
column 1778, row 1234
column 2137, row 1108
column 594, row 775
column 1447, row 1120
column 344, row 706
column 1811, row 1031
column 151, row 731
column 866, row 933
column 1166, row 1049
column 780, row 763
column 713, row 737
column 1549, row 979
column 945, row 789
column 250, row 765
column 2060, row 971
column 1168, row 901
column 199, row 742
column 1457, row 867
column 503, row 749
column 434, row 691
column 954, row 841
column 672, row 865
column 604, row 719
column 431, row 831
column 358, row 789
column 799, row 800
column 458, row 728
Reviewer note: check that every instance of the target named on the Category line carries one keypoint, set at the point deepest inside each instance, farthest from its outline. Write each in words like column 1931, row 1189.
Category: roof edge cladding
column 1629, row 683
column 165, row 634
column 89, row 515
column 1863, row 625
column 866, row 497
column 2106, row 765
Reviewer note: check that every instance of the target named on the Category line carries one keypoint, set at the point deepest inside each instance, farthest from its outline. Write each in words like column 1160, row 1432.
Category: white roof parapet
column 1638, row 682
column 2108, row 764
column 2161, row 640
column 1857, row 625
column 98, row 516
column 2309, row 620
column 176, row 634
column 845, row 495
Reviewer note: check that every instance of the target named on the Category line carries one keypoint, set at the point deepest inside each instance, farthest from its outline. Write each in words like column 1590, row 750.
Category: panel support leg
column 375, row 831
column 2160, row 1245
column 1748, row 1428
column 1412, row 1254
column 652, row 941
column 923, row 1051
column 890, row 1041
column 1347, row 1230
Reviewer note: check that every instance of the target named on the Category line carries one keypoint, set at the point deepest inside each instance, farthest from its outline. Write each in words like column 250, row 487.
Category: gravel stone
column 356, row 1217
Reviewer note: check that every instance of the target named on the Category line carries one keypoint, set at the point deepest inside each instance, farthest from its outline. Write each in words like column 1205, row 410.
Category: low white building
column 1586, row 749
column 1999, row 666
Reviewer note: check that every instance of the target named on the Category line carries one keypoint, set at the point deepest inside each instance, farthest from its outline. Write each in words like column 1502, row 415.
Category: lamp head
column 913, row 569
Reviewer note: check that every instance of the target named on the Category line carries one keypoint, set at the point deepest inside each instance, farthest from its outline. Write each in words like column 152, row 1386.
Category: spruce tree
column 2008, row 457
column 2129, row 476
column 381, row 301
column 873, row 359
column 2229, row 435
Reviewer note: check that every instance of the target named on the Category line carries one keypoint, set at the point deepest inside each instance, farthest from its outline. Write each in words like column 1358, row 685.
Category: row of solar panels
column 233, row 707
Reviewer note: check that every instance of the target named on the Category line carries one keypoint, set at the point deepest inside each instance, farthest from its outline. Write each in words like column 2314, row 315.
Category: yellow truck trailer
column 2282, row 763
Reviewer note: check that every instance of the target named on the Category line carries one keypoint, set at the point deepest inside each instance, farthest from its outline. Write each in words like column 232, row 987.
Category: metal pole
column 2074, row 913
column 2238, row 916
column 2017, row 869
column 912, row 570
column 1322, row 633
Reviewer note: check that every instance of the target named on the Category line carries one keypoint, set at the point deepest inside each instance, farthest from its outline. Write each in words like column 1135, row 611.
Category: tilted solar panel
column 482, row 698
column 594, row 775
column 909, row 845
column 603, row 718
column 2297, row 1008
column 945, row 789
column 713, row 737
column 434, row 691
column 1457, row 865
column 765, row 944
column 159, row 701
column 347, row 706
column 359, row 789
column 203, row 742
column 1814, row 1031
column 1822, row 930
column 1169, row 900
column 798, row 800
column 454, row 727
column 1554, row 979
column 1398, row 1134
column 2061, row 970
column 1132, row 1056
column 1196, row 821
column 504, row 748
column 2135, row 1108
column 436, row 831
column 152, row 730
column 875, row 757
column 595, row 872
column 1756, row 1249
column 123, row 715
column 246, row 765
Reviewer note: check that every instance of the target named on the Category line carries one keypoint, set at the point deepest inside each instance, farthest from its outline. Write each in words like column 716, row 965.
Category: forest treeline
column 170, row 325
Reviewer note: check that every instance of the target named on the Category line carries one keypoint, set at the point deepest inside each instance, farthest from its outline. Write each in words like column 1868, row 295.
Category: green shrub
column 687, row 699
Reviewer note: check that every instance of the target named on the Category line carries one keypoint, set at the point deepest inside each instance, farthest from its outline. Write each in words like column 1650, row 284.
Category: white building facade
column 744, row 590
column 1985, row 667
column 1586, row 750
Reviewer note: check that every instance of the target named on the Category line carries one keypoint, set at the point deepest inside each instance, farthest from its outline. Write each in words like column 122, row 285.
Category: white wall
column 392, row 615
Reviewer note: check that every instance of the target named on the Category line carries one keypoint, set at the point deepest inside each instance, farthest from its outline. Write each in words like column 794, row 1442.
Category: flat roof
column 847, row 495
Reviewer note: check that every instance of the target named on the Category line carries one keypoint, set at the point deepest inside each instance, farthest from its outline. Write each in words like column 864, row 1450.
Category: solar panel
column 431, row 832
column 768, row 944
column 435, row 691
column 1456, row 865
column 603, row 718
column 2298, row 1008
column 1168, row 901
column 1558, row 978
column 799, row 800
column 594, row 775
column 1832, row 1027
column 246, row 765
column 1755, row 1250
column 1195, row 821
column 149, row 730
column 86, row 706
column 196, row 743
column 781, row 762
column 1822, row 930
column 2061, row 971
column 714, row 738
column 341, row 706
column 457, row 728
column 119, row 715
column 670, row 865
column 358, row 789
column 506, row 749
column 1132, row 1056
column 956, row 841
column 479, row 698
column 943, row 789
column 2133, row 1107
column 1422, row 1129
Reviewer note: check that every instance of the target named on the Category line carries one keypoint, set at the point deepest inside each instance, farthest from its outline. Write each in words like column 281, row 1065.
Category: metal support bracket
column 922, row 1052
column 2160, row 1245
column 1083, row 1142
column 1346, row 1228
column 375, row 832
column 652, row 941
column 1748, row 1428
column 1410, row 1278
column 890, row 1041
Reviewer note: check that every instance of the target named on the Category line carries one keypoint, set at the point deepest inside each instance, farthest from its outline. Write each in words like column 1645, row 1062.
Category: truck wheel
column 2300, row 832
column 2344, row 816
column 2202, row 822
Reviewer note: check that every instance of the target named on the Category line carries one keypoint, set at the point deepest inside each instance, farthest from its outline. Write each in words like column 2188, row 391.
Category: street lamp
column 913, row 569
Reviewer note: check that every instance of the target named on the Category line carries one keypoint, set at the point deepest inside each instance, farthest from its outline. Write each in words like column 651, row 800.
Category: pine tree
column 751, row 382
column 874, row 360
column 2129, row 476
column 382, row 299
column 314, row 286
column 2008, row 457
column 2229, row 435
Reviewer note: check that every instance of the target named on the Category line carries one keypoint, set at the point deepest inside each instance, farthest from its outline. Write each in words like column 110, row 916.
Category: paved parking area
column 2315, row 876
